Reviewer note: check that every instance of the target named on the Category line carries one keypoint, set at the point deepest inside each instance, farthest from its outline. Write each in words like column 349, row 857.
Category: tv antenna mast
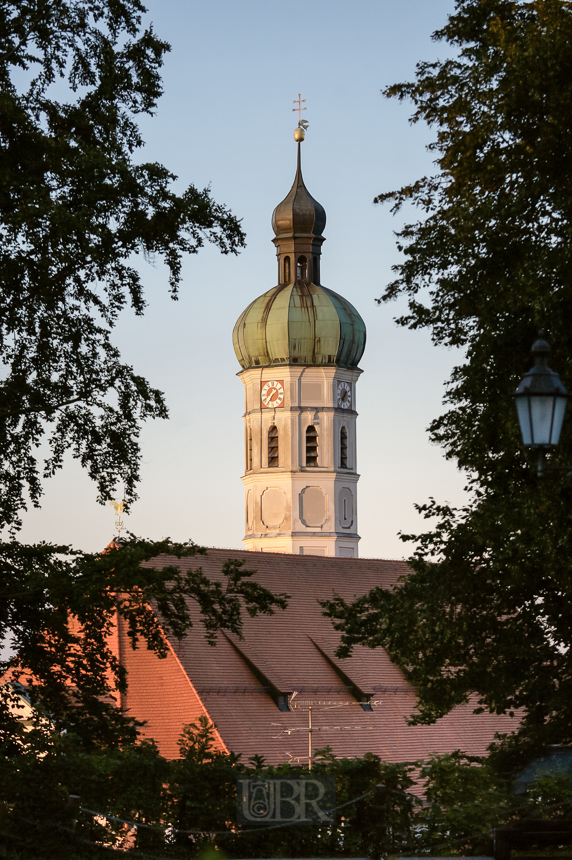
column 311, row 728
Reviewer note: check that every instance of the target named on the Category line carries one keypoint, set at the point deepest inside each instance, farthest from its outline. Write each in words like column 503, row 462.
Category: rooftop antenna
column 311, row 728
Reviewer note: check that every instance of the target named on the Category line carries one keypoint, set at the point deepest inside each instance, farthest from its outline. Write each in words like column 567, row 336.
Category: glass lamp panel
column 541, row 409
column 523, row 412
column 559, row 410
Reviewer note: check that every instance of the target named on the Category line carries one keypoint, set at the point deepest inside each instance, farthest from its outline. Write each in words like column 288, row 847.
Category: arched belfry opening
column 273, row 447
column 343, row 448
column 311, row 446
column 302, row 268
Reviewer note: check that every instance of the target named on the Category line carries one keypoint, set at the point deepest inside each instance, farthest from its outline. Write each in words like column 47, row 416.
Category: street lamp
column 540, row 404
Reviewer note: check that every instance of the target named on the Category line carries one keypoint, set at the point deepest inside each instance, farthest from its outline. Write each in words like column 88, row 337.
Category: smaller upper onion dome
column 299, row 214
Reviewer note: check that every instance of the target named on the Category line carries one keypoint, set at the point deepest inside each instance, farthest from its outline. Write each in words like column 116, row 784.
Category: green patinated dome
column 299, row 323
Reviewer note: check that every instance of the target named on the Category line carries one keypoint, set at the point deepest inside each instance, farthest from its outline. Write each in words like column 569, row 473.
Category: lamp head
column 540, row 401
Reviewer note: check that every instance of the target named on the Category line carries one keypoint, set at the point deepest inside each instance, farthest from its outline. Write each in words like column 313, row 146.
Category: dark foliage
column 60, row 608
column 488, row 606
column 465, row 798
column 76, row 207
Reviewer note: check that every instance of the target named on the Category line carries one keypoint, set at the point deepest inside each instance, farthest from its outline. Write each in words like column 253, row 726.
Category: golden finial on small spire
column 119, row 508
column 300, row 131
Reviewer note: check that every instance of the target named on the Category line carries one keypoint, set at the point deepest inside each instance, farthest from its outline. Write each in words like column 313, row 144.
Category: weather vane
column 300, row 132
column 119, row 507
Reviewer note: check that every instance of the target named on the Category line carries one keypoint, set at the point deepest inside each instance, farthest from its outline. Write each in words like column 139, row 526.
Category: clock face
column 344, row 395
column 272, row 394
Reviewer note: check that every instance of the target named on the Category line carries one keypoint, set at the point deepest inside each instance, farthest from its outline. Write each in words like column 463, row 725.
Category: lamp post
column 540, row 404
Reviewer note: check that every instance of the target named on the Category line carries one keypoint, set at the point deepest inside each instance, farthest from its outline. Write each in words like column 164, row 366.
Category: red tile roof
column 236, row 683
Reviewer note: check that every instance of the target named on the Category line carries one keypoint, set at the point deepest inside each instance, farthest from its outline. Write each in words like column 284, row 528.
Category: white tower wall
column 295, row 507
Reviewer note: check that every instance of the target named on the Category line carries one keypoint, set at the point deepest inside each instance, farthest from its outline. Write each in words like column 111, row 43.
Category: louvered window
column 311, row 446
column 273, row 446
column 343, row 448
column 249, row 452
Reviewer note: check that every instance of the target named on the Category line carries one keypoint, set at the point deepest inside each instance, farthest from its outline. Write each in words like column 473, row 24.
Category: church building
column 299, row 346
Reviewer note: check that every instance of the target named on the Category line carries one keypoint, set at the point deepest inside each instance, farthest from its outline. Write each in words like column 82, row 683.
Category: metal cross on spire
column 299, row 101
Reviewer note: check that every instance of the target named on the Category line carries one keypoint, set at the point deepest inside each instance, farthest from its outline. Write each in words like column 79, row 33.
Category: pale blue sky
column 225, row 120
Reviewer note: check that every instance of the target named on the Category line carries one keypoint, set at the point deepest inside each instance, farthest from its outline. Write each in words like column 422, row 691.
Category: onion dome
column 299, row 324
column 299, row 214
column 299, row 321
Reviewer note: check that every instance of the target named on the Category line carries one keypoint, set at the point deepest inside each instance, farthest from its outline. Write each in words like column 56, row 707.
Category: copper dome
column 299, row 214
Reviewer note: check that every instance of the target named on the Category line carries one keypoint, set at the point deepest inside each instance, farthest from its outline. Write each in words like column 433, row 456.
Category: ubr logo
column 274, row 799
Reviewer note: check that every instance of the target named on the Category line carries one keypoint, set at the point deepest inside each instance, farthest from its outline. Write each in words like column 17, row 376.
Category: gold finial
column 119, row 508
column 300, row 132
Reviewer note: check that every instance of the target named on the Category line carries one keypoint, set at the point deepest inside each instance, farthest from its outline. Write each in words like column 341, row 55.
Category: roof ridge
column 320, row 558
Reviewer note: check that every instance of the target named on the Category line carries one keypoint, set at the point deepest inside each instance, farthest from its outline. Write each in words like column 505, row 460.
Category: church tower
column 299, row 346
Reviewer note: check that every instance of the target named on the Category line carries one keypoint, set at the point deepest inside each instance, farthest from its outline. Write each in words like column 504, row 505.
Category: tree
column 192, row 802
column 59, row 607
column 76, row 207
column 487, row 607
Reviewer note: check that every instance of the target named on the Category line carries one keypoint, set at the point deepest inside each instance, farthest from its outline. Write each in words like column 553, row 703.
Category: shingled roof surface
column 240, row 684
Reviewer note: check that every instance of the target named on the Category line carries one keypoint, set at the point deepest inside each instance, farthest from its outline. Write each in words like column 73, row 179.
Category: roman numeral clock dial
column 344, row 395
column 272, row 394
